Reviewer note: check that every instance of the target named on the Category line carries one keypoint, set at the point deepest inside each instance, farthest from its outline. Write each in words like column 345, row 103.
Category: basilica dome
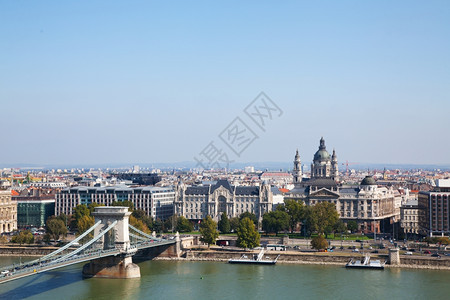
column 322, row 154
column 368, row 180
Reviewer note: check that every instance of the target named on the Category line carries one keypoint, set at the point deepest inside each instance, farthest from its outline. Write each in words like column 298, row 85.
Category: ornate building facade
column 409, row 215
column 196, row 202
column 8, row 212
column 367, row 204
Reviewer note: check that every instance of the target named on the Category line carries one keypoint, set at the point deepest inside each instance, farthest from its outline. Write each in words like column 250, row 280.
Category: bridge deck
column 25, row 270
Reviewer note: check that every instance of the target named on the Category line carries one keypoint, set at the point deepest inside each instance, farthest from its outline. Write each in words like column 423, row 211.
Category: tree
column 319, row 242
column 92, row 206
column 247, row 235
column 310, row 220
column 158, row 225
column 63, row 217
column 295, row 210
column 24, row 237
column 138, row 224
column 224, row 224
column 80, row 211
column 249, row 215
column 340, row 227
column 3, row 239
column 184, row 225
column 327, row 215
column 352, row 226
column 208, row 231
column 234, row 224
column 83, row 224
column 141, row 215
column 321, row 217
column 170, row 224
column 124, row 203
column 56, row 228
column 275, row 221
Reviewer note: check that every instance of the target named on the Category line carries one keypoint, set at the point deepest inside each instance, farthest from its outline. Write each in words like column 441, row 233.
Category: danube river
column 208, row 280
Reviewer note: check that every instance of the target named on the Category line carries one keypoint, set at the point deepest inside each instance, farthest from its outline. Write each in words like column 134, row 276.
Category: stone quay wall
column 314, row 258
column 26, row 250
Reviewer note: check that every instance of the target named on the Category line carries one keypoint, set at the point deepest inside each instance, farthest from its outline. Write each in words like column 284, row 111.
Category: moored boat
column 366, row 264
column 255, row 259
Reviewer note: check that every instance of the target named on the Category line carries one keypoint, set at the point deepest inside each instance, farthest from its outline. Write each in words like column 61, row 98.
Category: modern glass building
column 34, row 213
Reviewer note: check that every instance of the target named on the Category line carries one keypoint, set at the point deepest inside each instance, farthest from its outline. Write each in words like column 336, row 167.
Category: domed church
column 324, row 165
column 367, row 204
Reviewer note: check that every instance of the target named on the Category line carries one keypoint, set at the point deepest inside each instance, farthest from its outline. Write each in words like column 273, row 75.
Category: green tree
column 83, row 224
column 24, row 237
column 184, row 225
column 56, row 228
column 208, row 231
column 322, row 217
column 352, row 226
column 275, row 221
column 234, row 224
column 139, row 224
column 80, row 211
column 170, row 224
column 340, row 227
column 92, row 206
column 295, row 210
column 310, row 220
column 319, row 242
column 327, row 215
column 3, row 239
column 141, row 215
column 224, row 224
column 249, row 215
column 158, row 225
column 124, row 203
column 63, row 217
column 247, row 235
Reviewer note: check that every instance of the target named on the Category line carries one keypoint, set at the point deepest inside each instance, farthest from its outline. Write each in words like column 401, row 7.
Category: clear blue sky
column 139, row 81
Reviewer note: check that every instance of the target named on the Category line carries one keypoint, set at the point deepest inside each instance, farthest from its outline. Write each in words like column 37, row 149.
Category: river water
column 208, row 280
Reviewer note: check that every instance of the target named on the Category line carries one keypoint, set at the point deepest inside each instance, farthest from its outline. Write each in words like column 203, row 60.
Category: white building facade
column 8, row 212
column 196, row 202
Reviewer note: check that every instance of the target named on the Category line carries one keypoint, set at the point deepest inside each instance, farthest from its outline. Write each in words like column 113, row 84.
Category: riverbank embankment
column 26, row 250
column 289, row 257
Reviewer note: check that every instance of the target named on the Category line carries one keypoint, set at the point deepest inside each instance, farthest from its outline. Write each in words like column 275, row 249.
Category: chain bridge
column 108, row 247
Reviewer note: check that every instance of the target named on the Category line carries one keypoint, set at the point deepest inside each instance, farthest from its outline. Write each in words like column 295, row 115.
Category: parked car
column 355, row 250
column 435, row 255
column 426, row 252
column 409, row 253
column 374, row 251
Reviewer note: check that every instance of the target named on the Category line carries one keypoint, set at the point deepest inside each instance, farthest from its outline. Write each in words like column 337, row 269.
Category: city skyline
column 139, row 83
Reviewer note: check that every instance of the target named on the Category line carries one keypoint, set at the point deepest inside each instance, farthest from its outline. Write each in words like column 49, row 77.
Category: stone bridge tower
column 120, row 266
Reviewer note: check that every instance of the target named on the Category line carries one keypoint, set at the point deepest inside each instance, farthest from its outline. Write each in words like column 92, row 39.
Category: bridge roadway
column 24, row 270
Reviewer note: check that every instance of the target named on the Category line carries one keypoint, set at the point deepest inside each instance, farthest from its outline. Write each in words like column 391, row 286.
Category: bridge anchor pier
column 119, row 267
